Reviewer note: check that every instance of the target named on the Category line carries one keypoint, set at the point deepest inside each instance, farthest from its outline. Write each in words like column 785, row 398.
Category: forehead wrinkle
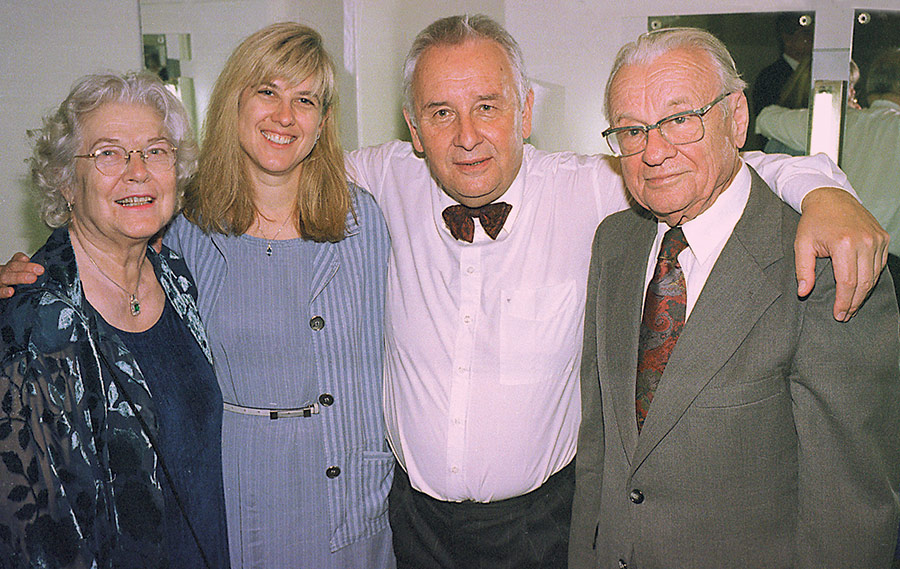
column 118, row 141
column 670, row 81
column 443, row 69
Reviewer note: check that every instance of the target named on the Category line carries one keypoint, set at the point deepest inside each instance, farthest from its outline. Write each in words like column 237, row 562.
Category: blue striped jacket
column 348, row 290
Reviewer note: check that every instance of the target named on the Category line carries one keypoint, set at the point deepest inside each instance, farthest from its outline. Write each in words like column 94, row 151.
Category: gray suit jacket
column 773, row 439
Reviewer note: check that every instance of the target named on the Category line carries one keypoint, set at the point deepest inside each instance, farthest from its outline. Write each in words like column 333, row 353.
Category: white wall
column 45, row 45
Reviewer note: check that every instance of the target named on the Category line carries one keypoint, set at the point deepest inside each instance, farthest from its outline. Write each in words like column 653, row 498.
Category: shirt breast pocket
column 539, row 333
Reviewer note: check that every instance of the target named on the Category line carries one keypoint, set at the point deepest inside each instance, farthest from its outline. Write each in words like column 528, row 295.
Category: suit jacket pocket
column 743, row 393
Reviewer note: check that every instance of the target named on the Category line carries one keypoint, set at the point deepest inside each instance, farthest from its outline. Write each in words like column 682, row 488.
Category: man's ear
column 527, row 114
column 413, row 132
column 740, row 119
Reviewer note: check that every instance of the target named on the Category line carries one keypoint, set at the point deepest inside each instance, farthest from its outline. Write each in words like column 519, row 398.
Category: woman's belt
column 307, row 411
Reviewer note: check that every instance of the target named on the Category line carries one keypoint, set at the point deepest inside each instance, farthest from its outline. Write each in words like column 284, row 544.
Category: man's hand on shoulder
column 834, row 224
column 17, row 271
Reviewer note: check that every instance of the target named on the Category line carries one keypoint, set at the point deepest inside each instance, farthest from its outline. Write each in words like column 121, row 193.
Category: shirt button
column 454, row 470
column 317, row 323
column 332, row 472
column 636, row 496
column 470, row 270
column 467, row 319
column 326, row 399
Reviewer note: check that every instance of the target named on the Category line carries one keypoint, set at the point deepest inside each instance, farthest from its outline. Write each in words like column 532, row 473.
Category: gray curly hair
column 57, row 142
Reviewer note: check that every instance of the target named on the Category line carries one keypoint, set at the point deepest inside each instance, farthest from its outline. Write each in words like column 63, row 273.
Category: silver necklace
column 274, row 237
column 133, row 303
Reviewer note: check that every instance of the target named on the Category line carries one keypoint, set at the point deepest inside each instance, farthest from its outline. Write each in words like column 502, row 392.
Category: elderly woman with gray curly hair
column 110, row 413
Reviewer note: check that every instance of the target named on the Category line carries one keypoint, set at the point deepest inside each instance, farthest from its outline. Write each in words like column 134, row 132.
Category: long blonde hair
column 219, row 199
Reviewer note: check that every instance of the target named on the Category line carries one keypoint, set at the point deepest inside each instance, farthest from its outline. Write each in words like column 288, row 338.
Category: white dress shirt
column 483, row 339
column 706, row 236
column 870, row 155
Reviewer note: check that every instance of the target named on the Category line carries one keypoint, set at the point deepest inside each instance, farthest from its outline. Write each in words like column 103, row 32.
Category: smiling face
column 278, row 125
column 130, row 207
column 677, row 183
column 469, row 123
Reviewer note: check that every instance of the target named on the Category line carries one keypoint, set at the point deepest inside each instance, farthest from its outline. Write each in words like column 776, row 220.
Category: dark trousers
column 524, row 532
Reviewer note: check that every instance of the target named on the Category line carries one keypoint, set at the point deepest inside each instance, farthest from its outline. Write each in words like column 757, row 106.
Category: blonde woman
column 290, row 263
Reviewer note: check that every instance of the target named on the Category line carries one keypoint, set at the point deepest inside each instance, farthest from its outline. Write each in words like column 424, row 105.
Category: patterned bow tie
column 460, row 219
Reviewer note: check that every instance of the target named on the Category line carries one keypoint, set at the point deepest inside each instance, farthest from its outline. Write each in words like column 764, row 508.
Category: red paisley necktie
column 460, row 219
column 664, row 314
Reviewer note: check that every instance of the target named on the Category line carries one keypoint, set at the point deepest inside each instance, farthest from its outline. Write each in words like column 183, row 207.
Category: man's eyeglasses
column 685, row 127
column 111, row 160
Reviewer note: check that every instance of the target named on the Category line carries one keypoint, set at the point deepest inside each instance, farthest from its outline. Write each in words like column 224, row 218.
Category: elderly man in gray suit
column 726, row 422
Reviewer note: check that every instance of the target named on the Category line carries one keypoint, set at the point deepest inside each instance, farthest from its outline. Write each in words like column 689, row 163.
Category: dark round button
column 636, row 496
column 317, row 323
column 326, row 399
column 332, row 472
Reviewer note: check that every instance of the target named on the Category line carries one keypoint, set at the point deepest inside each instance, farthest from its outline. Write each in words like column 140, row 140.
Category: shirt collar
column 707, row 233
column 790, row 61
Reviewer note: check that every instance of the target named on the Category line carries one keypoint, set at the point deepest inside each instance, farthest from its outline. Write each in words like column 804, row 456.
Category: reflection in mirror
column 874, row 32
column 169, row 57
column 871, row 145
column 767, row 47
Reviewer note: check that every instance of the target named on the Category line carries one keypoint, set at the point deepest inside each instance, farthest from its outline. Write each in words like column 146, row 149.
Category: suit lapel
column 735, row 296
column 621, row 297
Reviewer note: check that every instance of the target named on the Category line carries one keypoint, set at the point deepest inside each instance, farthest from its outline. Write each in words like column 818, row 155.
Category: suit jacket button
column 326, row 399
column 332, row 472
column 317, row 323
column 636, row 496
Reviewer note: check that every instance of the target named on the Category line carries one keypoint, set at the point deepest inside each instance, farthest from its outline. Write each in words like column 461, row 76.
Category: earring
column 69, row 206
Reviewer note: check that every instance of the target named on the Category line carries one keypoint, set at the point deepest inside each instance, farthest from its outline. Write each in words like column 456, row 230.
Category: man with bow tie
column 486, row 288
column 727, row 422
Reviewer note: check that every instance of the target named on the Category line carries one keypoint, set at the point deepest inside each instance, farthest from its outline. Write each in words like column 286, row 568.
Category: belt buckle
column 308, row 411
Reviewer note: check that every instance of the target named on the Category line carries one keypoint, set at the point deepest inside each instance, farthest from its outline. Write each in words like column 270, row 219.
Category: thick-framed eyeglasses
column 685, row 127
column 112, row 159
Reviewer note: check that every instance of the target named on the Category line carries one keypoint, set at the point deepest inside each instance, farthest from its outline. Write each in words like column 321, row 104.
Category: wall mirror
column 169, row 57
column 874, row 31
column 756, row 42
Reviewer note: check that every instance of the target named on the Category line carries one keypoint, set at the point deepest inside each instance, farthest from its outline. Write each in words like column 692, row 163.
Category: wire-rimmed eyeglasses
column 112, row 159
column 685, row 127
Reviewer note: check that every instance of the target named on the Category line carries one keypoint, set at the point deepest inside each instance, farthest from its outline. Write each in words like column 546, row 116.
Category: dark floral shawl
column 79, row 485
